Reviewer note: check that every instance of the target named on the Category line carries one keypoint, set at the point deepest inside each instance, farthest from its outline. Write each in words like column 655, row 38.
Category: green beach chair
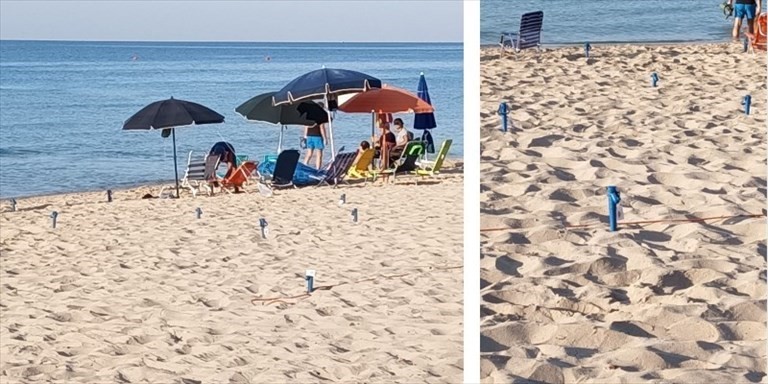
column 432, row 168
column 407, row 161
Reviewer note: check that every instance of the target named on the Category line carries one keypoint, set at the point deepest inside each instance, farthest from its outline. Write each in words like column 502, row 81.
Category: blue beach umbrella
column 425, row 121
column 328, row 84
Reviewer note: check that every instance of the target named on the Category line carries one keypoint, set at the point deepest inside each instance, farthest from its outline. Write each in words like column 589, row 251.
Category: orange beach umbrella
column 386, row 99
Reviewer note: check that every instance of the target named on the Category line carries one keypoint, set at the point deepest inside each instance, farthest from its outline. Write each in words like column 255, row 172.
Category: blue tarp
column 301, row 177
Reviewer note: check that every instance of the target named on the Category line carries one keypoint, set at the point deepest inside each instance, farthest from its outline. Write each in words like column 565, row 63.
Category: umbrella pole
column 175, row 167
column 330, row 128
column 280, row 140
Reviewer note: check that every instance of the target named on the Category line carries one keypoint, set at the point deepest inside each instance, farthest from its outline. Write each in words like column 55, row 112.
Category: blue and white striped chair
column 529, row 35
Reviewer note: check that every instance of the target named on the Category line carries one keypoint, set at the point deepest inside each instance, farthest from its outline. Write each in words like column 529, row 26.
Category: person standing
column 748, row 9
column 315, row 138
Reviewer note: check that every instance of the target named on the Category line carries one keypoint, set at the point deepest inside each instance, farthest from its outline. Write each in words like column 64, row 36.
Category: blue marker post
column 503, row 112
column 747, row 102
column 613, row 201
column 264, row 230
column 654, row 78
column 354, row 215
column 587, row 48
column 309, row 276
column 746, row 44
column 199, row 212
column 342, row 199
column 13, row 205
column 109, row 195
column 54, row 215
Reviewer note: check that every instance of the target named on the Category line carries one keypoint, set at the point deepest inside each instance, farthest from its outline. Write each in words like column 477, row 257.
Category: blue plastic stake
column 13, row 205
column 747, row 102
column 342, row 199
column 613, row 201
column 54, row 215
column 746, row 44
column 264, row 230
column 199, row 212
column 654, row 78
column 109, row 195
column 587, row 48
column 310, row 277
column 503, row 112
column 354, row 215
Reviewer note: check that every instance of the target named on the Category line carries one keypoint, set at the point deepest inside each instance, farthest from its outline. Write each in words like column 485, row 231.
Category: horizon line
column 233, row 41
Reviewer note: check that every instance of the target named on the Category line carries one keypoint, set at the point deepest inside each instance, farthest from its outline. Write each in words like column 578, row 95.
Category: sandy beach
column 140, row 290
column 668, row 302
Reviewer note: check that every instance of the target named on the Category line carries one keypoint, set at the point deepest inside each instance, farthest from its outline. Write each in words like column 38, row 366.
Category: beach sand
column 142, row 291
column 663, row 302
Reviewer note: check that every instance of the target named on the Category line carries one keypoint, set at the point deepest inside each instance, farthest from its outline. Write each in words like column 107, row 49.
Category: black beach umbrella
column 325, row 83
column 261, row 108
column 170, row 114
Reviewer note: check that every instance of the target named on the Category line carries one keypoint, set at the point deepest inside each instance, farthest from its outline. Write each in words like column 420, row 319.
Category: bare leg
column 750, row 25
column 736, row 28
column 308, row 156
column 319, row 161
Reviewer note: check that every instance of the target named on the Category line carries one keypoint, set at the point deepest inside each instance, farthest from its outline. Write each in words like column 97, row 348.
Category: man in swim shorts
column 741, row 9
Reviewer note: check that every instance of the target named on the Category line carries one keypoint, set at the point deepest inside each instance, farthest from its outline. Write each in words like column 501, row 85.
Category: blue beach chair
column 529, row 35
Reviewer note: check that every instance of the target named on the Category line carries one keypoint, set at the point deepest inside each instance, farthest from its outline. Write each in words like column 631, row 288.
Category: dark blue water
column 578, row 21
column 62, row 104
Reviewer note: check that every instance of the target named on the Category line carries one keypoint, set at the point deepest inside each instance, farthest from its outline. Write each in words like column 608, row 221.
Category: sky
column 207, row 20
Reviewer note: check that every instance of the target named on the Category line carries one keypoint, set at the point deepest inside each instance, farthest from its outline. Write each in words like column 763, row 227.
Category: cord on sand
column 273, row 300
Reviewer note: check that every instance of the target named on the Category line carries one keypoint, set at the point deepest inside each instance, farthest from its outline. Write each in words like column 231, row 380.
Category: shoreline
column 622, row 43
column 452, row 162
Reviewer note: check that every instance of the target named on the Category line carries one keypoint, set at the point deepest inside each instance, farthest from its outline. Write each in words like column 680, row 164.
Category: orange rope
column 692, row 220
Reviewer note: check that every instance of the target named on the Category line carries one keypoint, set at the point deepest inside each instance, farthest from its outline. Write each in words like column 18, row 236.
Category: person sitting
column 403, row 137
column 364, row 146
column 385, row 142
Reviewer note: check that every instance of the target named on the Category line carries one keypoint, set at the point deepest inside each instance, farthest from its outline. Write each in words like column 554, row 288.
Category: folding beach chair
column 407, row 161
column 529, row 35
column 757, row 37
column 285, row 167
column 240, row 177
column 200, row 171
column 360, row 170
column 432, row 168
column 335, row 172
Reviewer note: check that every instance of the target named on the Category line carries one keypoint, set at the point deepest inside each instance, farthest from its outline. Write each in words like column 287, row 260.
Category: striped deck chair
column 337, row 170
column 529, row 35
column 200, row 171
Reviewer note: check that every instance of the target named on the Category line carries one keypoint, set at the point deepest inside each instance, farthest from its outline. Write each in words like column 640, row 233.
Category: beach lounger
column 335, row 172
column 407, row 161
column 529, row 35
column 285, row 167
column 200, row 171
column 361, row 169
column 240, row 177
column 757, row 37
column 432, row 168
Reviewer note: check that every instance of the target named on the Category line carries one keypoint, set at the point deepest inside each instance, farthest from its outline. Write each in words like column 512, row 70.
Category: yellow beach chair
column 360, row 170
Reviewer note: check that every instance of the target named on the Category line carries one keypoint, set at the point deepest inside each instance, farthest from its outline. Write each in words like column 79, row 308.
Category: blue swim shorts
column 315, row 142
column 741, row 11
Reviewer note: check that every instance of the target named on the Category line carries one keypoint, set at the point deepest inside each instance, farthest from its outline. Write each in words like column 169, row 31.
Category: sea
column 63, row 103
column 568, row 22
